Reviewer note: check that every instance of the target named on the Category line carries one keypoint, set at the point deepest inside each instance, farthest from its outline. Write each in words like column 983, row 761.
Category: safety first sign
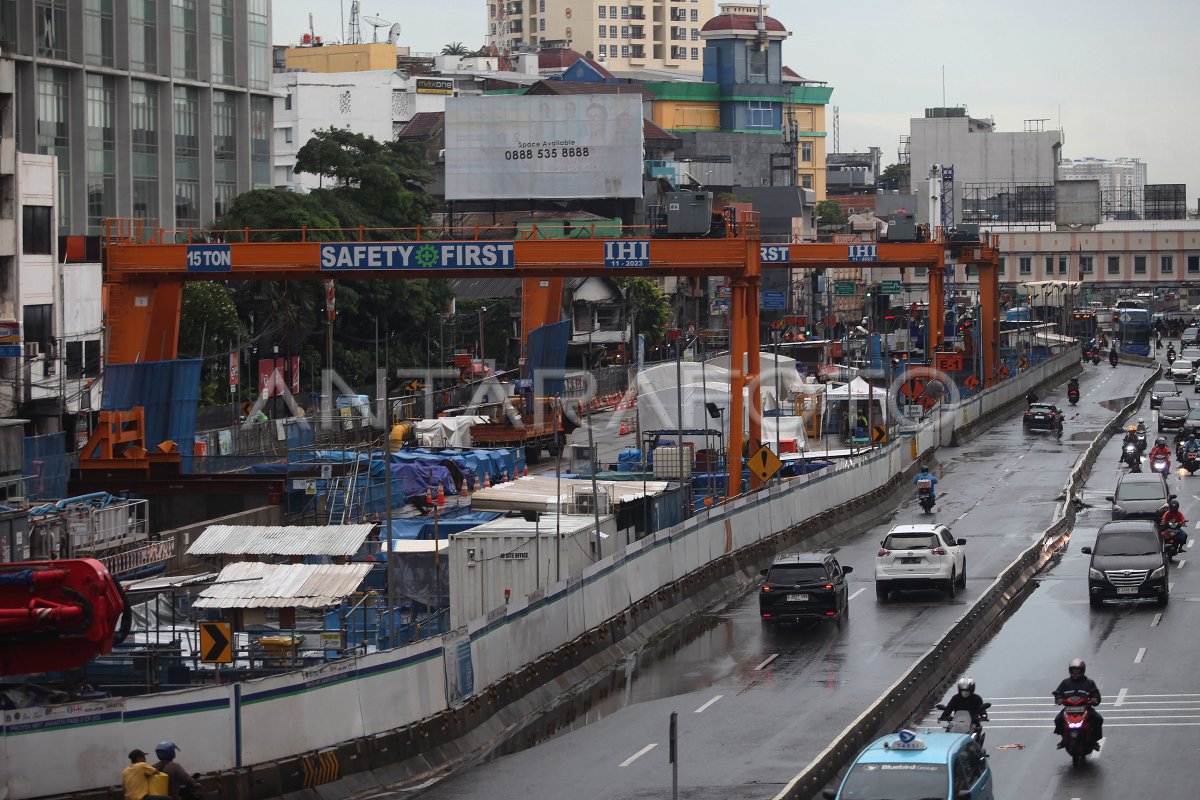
column 417, row 256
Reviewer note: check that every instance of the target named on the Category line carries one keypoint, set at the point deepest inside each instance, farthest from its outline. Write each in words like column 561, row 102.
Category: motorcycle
column 1132, row 457
column 1170, row 357
column 1141, row 442
column 1113, row 358
column 925, row 496
column 1077, row 727
column 1190, row 462
column 1174, row 538
column 1095, row 359
column 1072, row 396
column 1161, row 465
column 961, row 723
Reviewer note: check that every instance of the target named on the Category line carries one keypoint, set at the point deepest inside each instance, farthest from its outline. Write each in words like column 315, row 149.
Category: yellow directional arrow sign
column 764, row 463
column 878, row 434
column 216, row 643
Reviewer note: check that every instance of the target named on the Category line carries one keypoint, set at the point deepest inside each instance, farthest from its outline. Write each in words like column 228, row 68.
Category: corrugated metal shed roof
column 285, row 540
column 539, row 493
column 166, row 582
column 252, row 584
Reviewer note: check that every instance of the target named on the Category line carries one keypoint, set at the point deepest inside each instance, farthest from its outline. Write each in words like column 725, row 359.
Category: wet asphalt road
column 1143, row 658
column 755, row 706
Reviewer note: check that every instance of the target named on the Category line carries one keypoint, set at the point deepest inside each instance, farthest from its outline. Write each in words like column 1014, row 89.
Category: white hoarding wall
column 256, row 722
column 544, row 147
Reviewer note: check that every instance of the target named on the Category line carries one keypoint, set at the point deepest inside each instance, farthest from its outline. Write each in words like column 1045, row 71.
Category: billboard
column 543, row 147
column 1077, row 202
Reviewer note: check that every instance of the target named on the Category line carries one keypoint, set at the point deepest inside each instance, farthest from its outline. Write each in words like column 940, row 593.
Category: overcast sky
column 1118, row 76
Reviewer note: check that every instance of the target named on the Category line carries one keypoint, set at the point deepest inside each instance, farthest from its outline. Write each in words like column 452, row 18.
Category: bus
column 1082, row 325
column 1134, row 329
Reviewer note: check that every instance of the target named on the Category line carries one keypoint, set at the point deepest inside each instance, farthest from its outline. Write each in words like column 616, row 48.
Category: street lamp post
column 482, row 311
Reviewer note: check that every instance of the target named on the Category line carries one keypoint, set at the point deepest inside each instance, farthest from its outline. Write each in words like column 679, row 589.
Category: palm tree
column 455, row 49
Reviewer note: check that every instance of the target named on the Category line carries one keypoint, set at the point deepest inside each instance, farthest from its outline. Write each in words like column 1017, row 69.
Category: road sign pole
column 674, row 755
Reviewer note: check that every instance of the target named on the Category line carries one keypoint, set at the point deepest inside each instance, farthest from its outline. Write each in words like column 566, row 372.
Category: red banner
column 234, row 369
column 273, row 376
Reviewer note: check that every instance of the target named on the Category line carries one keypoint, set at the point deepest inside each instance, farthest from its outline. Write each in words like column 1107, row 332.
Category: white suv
column 920, row 557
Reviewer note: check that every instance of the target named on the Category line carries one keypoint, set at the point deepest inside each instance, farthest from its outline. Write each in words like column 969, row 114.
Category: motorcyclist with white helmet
column 965, row 699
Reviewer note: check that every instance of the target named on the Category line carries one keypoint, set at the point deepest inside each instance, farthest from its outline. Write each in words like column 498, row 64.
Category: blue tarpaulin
column 46, row 466
column 167, row 390
column 546, row 358
column 448, row 524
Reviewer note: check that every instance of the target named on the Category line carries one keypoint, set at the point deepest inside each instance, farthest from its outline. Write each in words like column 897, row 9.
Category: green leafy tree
column 455, row 49
column 376, row 187
column 896, row 176
column 208, row 323
column 830, row 214
column 375, row 184
column 650, row 307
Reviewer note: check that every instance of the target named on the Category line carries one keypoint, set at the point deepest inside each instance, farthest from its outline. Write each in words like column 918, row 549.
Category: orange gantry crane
column 146, row 268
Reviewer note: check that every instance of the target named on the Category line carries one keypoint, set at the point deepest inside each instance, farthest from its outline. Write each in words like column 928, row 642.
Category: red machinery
column 57, row 615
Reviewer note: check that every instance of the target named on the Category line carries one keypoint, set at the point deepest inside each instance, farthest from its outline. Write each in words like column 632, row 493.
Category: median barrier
column 919, row 687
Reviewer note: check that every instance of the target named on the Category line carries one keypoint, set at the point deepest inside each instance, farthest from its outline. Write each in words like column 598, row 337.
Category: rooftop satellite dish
column 394, row 33
column 376, row 23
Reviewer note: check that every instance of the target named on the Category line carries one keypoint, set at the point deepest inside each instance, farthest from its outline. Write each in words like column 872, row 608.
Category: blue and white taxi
column 907, row 766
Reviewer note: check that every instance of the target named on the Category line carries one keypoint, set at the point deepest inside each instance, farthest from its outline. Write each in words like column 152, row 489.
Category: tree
column 208, row 323
column 830, row 214
column 455, row 49
column 378, row 186
column 650, row 307
column 895, row 176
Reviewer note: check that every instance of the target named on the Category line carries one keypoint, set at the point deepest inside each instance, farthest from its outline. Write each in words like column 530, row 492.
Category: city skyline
column 1114, row 95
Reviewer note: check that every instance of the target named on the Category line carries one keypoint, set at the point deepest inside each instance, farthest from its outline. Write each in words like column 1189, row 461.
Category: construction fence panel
column 298, row 712
column 402, row 686
column 490, row 647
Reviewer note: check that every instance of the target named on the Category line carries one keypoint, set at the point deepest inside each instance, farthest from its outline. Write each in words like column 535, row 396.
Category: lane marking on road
column 425, row 784
column 1182, row 561
column 639, row 754
column 770, row 658
column 856, row 594
column 1121, row 696
column 1141, row 653
column 700, row 710
column 1157, row 619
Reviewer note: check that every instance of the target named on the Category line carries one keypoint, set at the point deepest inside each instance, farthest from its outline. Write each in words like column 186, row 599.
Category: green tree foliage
column 208, row 322
column 455, row 49
column 650, row 306
column 377, row 187
column 830, row 214
column 895, row 176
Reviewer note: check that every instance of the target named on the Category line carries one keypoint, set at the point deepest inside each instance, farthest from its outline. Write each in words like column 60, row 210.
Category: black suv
column 801, row 586
column 1128, row 562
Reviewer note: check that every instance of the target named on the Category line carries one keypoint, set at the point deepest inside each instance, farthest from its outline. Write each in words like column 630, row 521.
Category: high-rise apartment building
column 1122, row 183
column 630, row 35
column 156, row 109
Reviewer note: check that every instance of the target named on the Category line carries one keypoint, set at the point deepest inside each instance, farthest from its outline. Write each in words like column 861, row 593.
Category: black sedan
column 1043, row 417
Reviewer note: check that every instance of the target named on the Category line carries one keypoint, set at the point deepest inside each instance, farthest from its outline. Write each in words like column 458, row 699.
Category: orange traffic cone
column 465, row 491
column 526, row 475
column 504, row 476
column 624, row 427
column 441, row 499
column 428, row 495
column 487, row 482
